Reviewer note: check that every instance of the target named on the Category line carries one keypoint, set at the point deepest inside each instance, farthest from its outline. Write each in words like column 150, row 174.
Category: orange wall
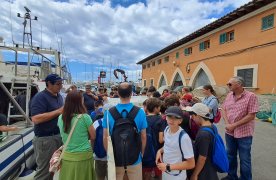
column 248, row 33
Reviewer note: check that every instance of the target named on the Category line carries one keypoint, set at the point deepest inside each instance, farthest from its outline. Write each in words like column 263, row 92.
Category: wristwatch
column 168, row 167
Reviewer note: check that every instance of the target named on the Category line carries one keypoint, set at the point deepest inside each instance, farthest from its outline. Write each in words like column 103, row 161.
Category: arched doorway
column 201, row 79
column 177, row 81
column 162, row 81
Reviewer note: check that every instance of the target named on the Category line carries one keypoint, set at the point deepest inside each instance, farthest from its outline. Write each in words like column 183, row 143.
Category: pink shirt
column 236, row 109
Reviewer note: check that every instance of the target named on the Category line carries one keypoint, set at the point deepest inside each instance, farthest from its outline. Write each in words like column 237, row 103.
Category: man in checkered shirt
column 240, row 108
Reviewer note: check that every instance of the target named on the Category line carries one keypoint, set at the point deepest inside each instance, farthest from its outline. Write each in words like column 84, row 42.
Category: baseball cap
column 188, row 97
column 200, row 109
column 53, row 78
column 174, row 111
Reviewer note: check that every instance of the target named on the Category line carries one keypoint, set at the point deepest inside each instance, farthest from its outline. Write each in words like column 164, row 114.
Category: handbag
column 58, row 154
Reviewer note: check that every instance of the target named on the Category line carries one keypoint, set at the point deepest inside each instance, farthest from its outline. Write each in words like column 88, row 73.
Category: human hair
column 210, row 87
column 98, row 103
column 145, row 102
column 163, row 107
column 144, row 92
column 151, row 89
column 172, row 100
column 52, row 82
column 125, row 90
column 164, row 91
column 156, row 94
column 73, row 105
column 239, row 80
column 205, row 118
column 152, row 103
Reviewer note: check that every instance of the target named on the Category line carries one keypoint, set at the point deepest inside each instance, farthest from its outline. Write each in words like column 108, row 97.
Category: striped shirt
column 237, row 109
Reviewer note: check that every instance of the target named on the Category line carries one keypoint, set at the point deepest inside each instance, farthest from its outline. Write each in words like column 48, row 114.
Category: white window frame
column 255, row 74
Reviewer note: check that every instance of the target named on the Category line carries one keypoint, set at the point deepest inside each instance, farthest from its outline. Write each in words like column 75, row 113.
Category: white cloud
column 91, row 32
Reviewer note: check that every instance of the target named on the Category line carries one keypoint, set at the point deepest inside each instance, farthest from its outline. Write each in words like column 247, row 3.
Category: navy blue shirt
column 44, row 102
column 89, row 102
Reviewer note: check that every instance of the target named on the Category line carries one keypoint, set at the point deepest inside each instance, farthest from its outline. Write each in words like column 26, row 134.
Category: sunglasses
column 229, row 84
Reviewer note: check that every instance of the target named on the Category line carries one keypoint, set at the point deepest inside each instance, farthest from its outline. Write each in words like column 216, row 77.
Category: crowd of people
column 166, row 139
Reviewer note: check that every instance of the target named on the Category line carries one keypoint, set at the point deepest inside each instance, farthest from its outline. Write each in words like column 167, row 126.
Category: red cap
column 188, row 97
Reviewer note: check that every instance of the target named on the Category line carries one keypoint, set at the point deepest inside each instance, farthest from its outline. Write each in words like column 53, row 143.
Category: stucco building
column 241, row 43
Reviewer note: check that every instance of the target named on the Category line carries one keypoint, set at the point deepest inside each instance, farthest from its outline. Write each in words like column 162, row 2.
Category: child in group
column 177, row 155
column 155, row 134
column 100, row 155
column 203, row 146
column 98, row 113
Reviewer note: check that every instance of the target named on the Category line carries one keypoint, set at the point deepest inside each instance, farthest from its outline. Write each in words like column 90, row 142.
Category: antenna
column 28, row 34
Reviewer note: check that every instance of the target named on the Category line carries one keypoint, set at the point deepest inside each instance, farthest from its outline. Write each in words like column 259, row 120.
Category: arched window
column 162, row 81
column 201, row 79
column 177, row 81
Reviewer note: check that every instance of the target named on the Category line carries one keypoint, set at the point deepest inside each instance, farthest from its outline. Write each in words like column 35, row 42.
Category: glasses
column 229, row 84
column 58, row 84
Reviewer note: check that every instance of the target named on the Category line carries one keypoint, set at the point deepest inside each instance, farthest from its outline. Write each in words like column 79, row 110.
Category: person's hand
column 230, row 127
column 158, row 157
column 162, row 166
column 60, row 110
column 13, row 128
column 194, row 177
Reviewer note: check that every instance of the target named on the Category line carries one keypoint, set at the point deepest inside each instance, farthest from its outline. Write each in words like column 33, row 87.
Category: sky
column 95, row 35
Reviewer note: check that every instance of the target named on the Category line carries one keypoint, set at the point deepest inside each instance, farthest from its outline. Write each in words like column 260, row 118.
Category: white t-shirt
column 172, row 153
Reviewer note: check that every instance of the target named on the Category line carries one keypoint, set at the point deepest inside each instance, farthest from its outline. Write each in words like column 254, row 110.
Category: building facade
column 242, row 43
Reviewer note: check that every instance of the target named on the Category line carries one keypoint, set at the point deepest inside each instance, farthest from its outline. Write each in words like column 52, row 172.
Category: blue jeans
column 243, row 147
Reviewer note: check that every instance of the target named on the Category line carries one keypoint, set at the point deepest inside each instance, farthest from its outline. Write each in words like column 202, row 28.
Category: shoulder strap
column 179, row 142
column 212, row 130
column 166, row 129
column 69, row 137
column 114, row 113
column 133, row 112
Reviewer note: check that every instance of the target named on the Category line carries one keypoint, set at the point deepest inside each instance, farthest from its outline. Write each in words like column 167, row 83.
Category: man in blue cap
column 46, row 106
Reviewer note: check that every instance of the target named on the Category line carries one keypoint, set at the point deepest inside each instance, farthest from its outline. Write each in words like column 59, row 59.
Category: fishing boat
column 19, row 82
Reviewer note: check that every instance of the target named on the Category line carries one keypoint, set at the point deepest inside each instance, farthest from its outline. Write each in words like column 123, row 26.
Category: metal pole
column 14, row 102
column 15, row 64
column 28, row 93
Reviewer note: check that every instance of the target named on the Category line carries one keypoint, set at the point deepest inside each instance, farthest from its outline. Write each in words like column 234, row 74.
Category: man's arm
column 8, row 128
column 199, row 166
column 144, row 140
column 184, row 165
column 249, row 117
column 44, row 117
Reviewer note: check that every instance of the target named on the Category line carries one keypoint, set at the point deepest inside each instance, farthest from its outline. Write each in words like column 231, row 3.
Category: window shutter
column 186, row 52
column 201, row 46
column 270, row 21
column 264, row 22
column 247, row 75
column 222, row 38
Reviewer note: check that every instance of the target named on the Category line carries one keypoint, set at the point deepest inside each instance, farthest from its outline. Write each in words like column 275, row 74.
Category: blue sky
column 102, row 34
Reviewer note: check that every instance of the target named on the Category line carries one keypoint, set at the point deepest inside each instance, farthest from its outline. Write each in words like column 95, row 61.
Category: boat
column 16, row 149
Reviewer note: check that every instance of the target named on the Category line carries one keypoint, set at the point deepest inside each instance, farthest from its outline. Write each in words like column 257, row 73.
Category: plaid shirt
column 237, row 109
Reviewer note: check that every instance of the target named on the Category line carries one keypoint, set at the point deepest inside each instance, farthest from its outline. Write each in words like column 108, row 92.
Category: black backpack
column 125, row 137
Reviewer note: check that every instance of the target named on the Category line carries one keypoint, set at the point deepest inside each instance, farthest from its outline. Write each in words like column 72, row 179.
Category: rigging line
column 66, row 59
column 11, row 23
column 55, row 29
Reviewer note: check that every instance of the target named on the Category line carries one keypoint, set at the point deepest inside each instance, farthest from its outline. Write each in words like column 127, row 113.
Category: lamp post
column 27, row 17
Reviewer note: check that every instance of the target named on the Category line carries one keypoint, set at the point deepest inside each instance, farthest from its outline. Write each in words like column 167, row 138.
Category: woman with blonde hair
column 77, row 161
